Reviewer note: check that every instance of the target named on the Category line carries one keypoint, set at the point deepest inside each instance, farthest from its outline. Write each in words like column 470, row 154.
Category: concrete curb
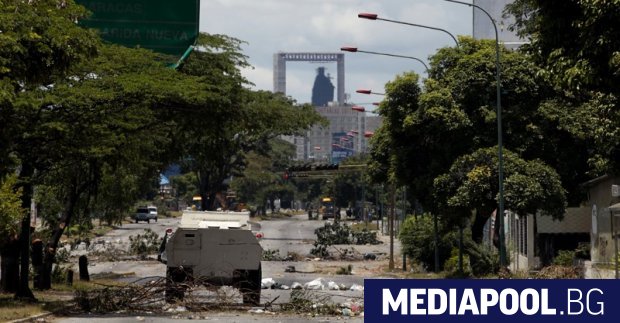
column 32, row 318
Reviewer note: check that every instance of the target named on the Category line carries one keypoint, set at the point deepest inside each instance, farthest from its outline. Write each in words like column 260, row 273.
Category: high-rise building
column 483, row 28
column 343, row 137
column 323, row 89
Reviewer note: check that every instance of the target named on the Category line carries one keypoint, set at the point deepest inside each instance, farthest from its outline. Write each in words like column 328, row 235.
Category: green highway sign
column 164, row 26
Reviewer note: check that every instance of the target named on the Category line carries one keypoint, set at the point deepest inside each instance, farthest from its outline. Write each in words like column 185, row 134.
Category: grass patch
column 56, row 300
column 11, row 309
column 51, row 301
column 101, row 231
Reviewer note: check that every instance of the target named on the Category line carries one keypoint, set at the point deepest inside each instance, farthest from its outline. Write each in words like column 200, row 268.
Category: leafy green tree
column 263, row 174
column 531, row 187
column 39, row 44
column 215, row 143
column 352, row 182
column 390, row 147
column 184, row 186
column 418, row 240
column 575, row 43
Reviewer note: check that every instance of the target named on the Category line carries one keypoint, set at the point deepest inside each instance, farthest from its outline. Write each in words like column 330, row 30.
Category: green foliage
column 451, row 266
column 10, row 207
column 345, row 270
column 333, row 233
column 529, row 186
column 365, row 237
column 59, row 274
column 564, row 258
column 40, row 40
column 262, row 176
column 577, row 52
column 418, row 243
column 271, row 255
column 144, row 244
column 483, row 261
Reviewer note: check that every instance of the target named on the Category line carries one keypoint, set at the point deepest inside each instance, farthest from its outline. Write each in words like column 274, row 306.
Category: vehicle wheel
column 251, row 286
column 155, row 219
column 148, row 220
column 175, row 284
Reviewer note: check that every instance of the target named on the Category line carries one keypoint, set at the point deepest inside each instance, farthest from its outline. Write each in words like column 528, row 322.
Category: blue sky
column 270, row 26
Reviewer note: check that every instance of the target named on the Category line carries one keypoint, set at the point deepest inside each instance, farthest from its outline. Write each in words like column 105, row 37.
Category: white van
column 152, row 213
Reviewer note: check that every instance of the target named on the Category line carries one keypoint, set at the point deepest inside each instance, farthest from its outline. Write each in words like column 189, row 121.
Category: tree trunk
column 23, row 290
column 477, row 227
column 9, row 266
column 51, row 247
column 37, row 264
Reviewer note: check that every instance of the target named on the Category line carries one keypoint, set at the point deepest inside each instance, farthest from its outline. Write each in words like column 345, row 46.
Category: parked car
column 152, row 213
column 142, row 214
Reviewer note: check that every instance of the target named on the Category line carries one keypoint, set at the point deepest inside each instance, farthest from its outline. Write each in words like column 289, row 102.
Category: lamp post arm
column 422, row 26
column 394, row 55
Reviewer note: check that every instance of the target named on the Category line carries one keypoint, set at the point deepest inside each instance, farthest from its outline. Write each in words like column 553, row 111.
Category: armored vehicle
column 213, row 248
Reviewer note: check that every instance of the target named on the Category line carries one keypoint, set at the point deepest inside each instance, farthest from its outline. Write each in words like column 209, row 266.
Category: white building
column 347, row 134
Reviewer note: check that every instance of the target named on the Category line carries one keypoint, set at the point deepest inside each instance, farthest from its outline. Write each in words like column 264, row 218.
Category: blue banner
column 491, row 300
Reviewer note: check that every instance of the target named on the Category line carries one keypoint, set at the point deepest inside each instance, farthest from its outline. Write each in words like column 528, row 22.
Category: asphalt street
column 287, row 236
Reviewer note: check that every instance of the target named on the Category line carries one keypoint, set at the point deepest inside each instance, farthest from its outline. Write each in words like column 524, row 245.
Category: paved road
column 207, row 317
column 123, row 233
column 295, row 234
column 289, row 235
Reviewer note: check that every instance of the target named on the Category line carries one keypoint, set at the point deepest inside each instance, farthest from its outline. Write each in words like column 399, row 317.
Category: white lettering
column 452, row 301
column 514, row 302
column 468, row 303
column 415, row 299
column 389, row 302
column 433, row 293
column 545, row 303
column 488, row 298
column 535, row 301
column 600, row 304
column 571, row 300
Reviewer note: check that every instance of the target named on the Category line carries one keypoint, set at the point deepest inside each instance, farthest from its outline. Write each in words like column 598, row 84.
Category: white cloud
column 270, row 26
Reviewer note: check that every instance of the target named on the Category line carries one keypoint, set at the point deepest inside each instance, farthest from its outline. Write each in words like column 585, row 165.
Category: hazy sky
column 271, row 26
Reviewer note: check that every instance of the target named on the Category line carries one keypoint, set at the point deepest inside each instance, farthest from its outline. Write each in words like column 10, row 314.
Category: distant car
column 152, row 213
column 142, row 214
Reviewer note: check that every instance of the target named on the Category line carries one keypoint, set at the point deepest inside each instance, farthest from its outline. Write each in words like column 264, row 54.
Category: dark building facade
column 323, row 89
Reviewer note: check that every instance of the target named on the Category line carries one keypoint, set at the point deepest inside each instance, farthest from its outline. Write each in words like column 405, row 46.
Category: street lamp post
column 357, row 50
column 502, row 244
column 372, row 16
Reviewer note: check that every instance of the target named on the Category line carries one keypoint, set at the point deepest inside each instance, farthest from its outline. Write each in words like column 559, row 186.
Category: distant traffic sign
column 165, row 26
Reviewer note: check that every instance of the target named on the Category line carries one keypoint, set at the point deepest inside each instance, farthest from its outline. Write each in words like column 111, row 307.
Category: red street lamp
column 357, row 50
column 368, row 134
column 365, row 91
column 374, row 16
column 358, row 108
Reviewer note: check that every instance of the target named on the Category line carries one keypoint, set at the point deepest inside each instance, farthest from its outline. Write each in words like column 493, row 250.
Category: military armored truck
column 213, row 248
